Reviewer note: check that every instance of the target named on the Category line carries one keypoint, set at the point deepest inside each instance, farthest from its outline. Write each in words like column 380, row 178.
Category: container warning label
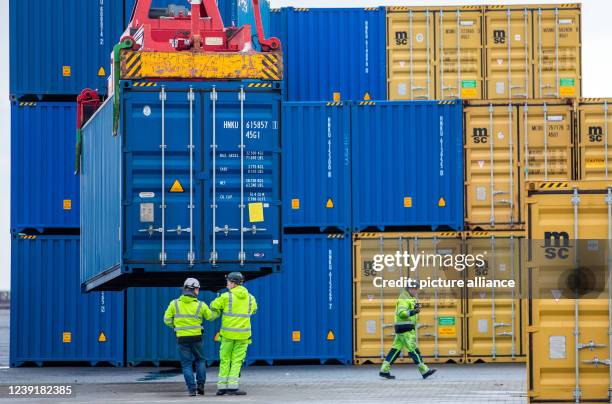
column 101, row 72
column 371, row 327
column 295, row 204
column 67, row 204
column 101, row 337
column 66, row 71
column 595, row 163
column 329, row 204
column 468, row 89
column 566, row 87
column 67, row 337
column 408, row 202
column 483, row 326
column 296, row 336
column 176, row 187
column 556, row 347
column 330, row 336
column 256, row 213
column 446, row 327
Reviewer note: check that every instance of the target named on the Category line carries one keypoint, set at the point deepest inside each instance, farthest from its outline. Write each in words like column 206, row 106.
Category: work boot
column 201, row 390
column 192, row 393
column 428, row 373
column 236, row 392
column 386, row 375
column 221, row 392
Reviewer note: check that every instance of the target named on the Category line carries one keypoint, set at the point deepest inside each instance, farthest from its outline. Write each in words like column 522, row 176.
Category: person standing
column 185, row 316
column 407, row 309
column 236, row 306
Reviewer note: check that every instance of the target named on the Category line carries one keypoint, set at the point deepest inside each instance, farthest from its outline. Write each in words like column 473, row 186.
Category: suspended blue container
column 298, row 308
column 125, row 177
column 61, row 47
column 148, row 339
column 316, row 165
column 332, row 50
column 233, row 12
column 44, row 189
column 407, row 165
column 51, row 321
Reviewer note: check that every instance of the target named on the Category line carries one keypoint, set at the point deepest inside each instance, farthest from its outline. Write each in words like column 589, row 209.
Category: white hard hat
column 191, row 283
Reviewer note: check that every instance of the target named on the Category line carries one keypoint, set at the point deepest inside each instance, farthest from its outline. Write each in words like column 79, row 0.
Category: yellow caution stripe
column 334, row 104
column 201, row 65
column 449, row 234
column 260, row 85
column 24, row 237
column 335, row 236
column 27, row 104
column 446, row 102
column 367, row 103
column 552, row 185
column 365, row 235
column 144, row 84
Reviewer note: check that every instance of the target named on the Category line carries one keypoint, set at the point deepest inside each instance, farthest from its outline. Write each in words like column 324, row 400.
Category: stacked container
column 45, row 208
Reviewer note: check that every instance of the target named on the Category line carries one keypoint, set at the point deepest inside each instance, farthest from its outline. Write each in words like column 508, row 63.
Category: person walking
column 407, row 309
column 236, row 306
column 185, row 316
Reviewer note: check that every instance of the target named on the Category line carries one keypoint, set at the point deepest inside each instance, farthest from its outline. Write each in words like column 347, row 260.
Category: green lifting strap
column 127, row 43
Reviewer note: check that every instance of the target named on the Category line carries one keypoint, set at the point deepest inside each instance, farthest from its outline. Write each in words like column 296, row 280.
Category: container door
column 242, row 202
column 556, row 51
column 410, row 54
column 595, row 124
column 508, row 56
column 546, row 142
column 491, row 170
column 162, row 167
column 459, row 55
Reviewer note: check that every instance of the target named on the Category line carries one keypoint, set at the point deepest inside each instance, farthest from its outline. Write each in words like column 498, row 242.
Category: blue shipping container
column 61, row 47
column 51, row 321
column 329, row 50
column 407, row 164
column 316, row 165
column 44, row 190
column 305, row 312
column 233, row 12
column 154, row 212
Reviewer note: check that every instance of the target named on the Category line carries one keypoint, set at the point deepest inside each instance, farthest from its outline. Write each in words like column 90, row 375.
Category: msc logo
column 595, row 133
column 480, row 135
column 368, row 268
column 556, row 244
column 499, row 36
column 401, row 38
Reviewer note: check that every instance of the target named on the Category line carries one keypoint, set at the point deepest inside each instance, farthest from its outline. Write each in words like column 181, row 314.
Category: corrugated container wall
column 569, row 339
column 47, row 60
column 594, row 128
column 166, row 237
column 292, row 322
column 44, row 190
column 407, row 164
column 51, row 321
column 316, row 165
column 233, row 12
column 316, row 67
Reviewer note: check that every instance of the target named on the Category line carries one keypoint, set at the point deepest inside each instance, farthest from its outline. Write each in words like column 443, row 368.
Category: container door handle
column 596, row 361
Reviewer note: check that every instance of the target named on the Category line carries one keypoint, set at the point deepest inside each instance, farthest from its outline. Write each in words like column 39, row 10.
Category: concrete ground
column 480, row 383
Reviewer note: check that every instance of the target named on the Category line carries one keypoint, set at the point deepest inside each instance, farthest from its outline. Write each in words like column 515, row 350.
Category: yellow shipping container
column 594, row 125
column 508, row 52
column 506, row 145
column 494, row 330
column 569, row 338
column 410, row 54
column 440, row 324
column 557, row 51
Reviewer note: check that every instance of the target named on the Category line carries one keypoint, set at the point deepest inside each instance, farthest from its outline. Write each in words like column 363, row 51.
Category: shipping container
column 77, row 55
column 200, row 202
column 557, row 51
column 593, row 152
column 148, row 340
column 51, row 321
column 292, row 323
column 410, row 53
column 317, row 68
column 44, row 190
column 508, row 47
column 459, row 53
column 233, row 13
column 407, row 164
column 570, row 332
column 494, row 328
column 316, row 165
column 440, row 323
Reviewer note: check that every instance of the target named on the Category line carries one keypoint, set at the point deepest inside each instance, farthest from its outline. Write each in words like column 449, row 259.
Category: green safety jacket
column 405, row 309
column 185, row 316
column 237, row 306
